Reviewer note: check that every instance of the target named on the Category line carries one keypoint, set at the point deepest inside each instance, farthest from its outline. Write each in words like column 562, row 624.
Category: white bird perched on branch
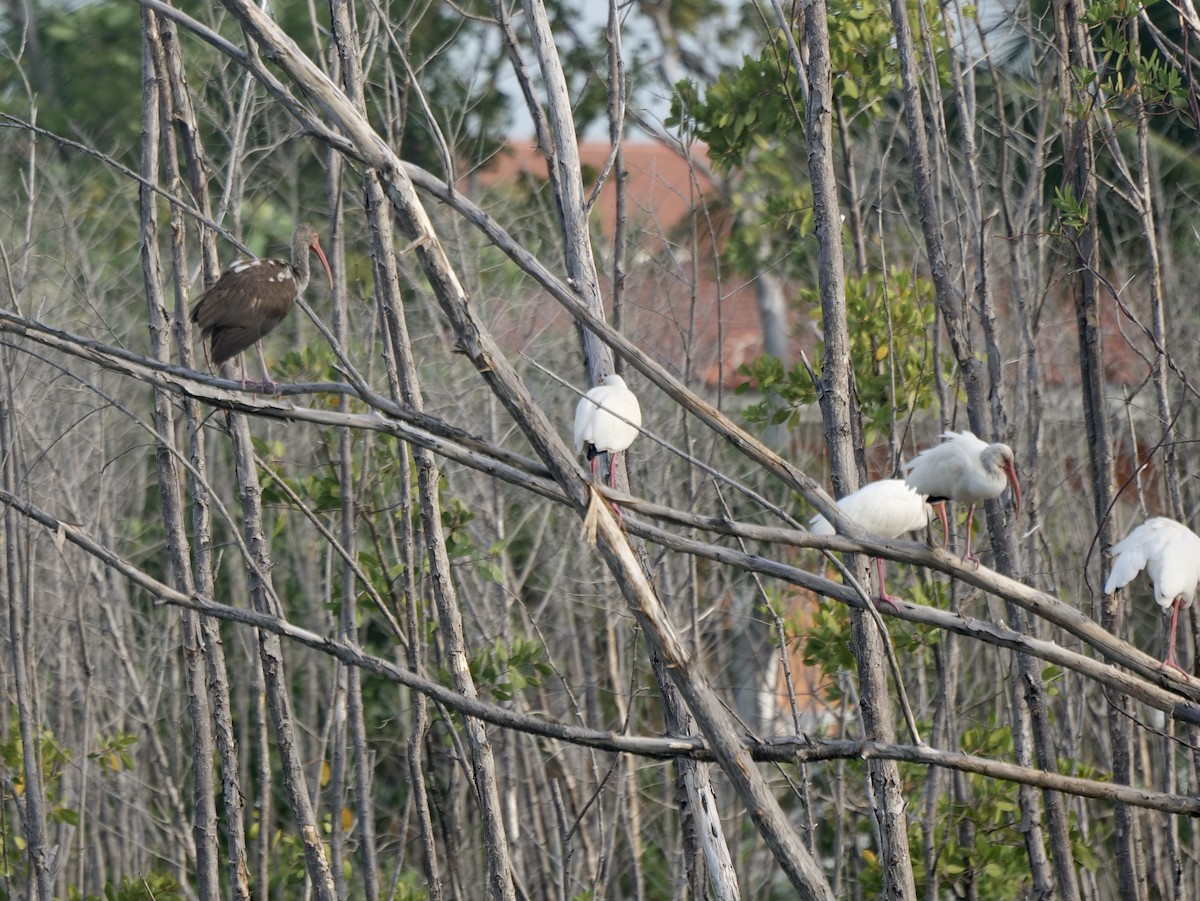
column 962, row 468
column 889, row 507
column 607, row 420
column 1170, row 554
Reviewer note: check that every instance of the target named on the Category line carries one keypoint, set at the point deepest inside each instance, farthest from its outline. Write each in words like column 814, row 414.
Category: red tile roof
column 677, row 306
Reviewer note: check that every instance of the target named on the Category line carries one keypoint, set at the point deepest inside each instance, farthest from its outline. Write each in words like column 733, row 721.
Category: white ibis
column 962, row 468
column 1170, row 554
column 251, row 297
column 606, row 422
column 889, row 508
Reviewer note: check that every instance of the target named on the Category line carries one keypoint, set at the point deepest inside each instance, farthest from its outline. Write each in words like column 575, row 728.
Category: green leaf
column 65, row 815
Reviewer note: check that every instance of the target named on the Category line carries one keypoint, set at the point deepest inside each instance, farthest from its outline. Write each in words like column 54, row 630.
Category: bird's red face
column 1010, row 472
column 315, row 247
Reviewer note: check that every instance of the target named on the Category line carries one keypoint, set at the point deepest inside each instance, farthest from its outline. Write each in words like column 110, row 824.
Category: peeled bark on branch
column 699, row 816
column 478, row 346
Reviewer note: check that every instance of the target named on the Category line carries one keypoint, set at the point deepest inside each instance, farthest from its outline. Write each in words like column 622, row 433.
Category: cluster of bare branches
column 377, row 634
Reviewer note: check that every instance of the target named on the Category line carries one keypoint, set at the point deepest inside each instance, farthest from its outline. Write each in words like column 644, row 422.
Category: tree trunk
column 156, row 100
column 1080, row 165
column 699, row 816
column 889, row 804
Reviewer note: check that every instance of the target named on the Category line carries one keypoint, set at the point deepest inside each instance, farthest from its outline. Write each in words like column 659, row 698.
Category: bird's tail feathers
column 819, row 525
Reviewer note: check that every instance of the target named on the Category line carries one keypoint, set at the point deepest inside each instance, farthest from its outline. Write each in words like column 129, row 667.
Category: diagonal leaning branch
column 781, row 749
column 476, row 343
column 469, row 450
column 1146, row 680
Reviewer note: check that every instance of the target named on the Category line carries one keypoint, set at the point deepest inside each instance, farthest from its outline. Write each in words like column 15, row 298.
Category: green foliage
column 88, row 79
column 455, row 517
column 749, row 120
column 410, row 887
column 54, row 759
column 1072, row 210
column 507, row 670
column 742, row 111
column 785, row 393
column 310, row 363
column 746, row 111
column 825, row 640
column 1129, row 78
column 1161, row 83
column 865, row 66
column 1131, row 85
column 753, row 120
column 113, row 752
column 288, row 874
column 979, row 837
column 890, row 351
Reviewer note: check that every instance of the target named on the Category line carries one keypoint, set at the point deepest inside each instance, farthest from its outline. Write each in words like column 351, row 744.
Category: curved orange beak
column 1010, row 471
column 316, row 248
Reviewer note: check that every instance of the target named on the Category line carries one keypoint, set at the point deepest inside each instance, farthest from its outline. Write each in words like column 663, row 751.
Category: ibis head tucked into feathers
column 1170, row 554
column 606, row 422
column 889, row 507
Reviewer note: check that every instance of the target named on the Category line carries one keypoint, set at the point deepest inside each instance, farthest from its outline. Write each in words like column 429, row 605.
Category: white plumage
column 606, row 421
column 889, row 507
column 1169, row 552
column 965, row 469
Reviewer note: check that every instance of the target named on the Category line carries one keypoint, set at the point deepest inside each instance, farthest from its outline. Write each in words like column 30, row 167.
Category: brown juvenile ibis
column 965, row 469
column 251, row 297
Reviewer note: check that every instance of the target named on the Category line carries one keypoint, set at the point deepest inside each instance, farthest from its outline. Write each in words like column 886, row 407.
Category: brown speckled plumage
column 252, row 296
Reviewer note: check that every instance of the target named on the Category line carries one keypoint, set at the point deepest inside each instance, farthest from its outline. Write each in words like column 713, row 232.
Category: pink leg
column 940, row 507
column 1169, row 659
column 968, row 555
column 268, row 382
column 883, row 593
column 612, row 483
